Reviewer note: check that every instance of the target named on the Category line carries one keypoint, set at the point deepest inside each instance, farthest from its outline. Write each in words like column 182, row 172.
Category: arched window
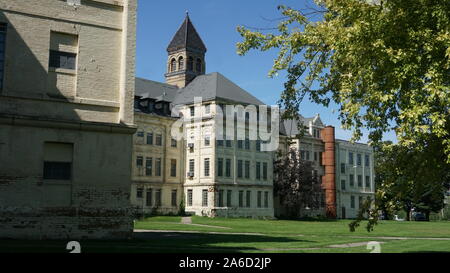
column 198, row 65
column 173, row 65
column 190, row 64
column 180, row 63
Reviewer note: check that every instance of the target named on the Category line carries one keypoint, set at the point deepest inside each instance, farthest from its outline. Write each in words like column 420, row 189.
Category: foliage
column 385, row 63
column 296, row 185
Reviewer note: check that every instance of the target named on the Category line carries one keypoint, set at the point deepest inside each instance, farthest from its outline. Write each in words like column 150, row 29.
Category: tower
column 186, row 55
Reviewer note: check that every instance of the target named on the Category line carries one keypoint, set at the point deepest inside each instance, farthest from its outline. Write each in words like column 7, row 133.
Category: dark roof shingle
column 186, row 37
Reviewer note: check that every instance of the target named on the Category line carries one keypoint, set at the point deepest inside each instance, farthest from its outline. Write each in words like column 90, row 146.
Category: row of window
column 224, row 168
column 353, row 201
column 242, row 202
column 157, row 165
column 153, row 197
column 343, row 167
column 352, row 181
column 358, row 159
column 157, row 139
column 306, row 155
column 179, row 65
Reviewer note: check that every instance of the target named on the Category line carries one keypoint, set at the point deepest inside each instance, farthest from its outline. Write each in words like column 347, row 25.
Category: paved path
column 188, row 221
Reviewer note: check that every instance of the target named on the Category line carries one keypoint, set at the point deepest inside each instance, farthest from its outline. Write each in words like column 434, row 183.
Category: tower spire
column 186, row 55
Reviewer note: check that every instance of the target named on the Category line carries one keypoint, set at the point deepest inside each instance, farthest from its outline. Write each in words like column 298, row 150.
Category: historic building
column 206, row 173
column 355, row 177
column 66, row 118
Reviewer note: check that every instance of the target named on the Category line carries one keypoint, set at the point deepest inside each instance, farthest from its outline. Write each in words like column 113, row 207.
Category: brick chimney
column 329, row 179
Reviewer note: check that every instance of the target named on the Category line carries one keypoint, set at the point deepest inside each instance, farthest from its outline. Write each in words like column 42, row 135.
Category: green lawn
column 225, row 235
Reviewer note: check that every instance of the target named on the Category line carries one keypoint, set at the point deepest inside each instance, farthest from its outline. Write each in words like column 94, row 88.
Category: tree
column 296, row 185
column 385, row 63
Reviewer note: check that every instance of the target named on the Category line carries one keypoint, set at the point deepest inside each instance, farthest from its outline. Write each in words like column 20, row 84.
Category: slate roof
column 155, row 90
column 214, row 86
column 186, row 37
column 289, row 127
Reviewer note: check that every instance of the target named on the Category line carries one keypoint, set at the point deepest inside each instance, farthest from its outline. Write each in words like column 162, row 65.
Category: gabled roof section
column 147, row 89
column 214, row 86
column 186, row 38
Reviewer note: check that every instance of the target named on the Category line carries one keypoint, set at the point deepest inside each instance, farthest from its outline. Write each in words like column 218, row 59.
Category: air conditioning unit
column 191, row 145
column 190, row 174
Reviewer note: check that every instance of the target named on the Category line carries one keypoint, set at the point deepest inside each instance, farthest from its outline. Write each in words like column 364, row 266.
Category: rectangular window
column 359, row 159
column 265, row 171
column 352, row 180
column 342, row 167
column 266, row 199
column 206, row 166
column 174, row 198
column 159, row 140
column 308, row 155
column 207, row 140
column 173, row 167
column 229, row 143
column 360, row 182
column 258, row 145
column 140, row 134
column 173, row 143
column 149, row 166
column 139, row 161
column 158, row 167
column 191, row 165
column 303, row 155
column 3, row 29
column 192, row 110
column 139, row 192
column 150, row 138
column 367, row 161
column 207, row 108
column 343, row 185
column 58, row 158
column 239, row 167
column 258, row 170
column 316, row 156
column 367, row 181
column 220, row 167
column 205, row 198
column 220, row 142
column 189, row 197
column 248, row 198
column 59, row 59
column 149, row 198
column 241, row 199
column 360, row 201
column 228, row 168
column 352, row 202
column 229, row 200
column 320, row 158
column 247, row 169
column 240, row 144
column 57, row 170
column 350, row 158
column 259, row 202
column 158, row 198
column 247, row 144
column 221, row 199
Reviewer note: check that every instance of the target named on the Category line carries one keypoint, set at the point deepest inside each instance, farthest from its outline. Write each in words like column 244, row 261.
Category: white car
column 398, row 219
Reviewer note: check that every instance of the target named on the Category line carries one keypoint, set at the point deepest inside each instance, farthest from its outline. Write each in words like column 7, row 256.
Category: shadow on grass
column 308, row 219
column 153, row 242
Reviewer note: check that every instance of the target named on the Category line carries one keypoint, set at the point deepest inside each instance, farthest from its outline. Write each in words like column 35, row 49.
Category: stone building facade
column 66, row 118
column 216, row 175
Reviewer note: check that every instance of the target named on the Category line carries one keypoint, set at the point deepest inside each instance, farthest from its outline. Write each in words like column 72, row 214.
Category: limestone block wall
column 93, row 203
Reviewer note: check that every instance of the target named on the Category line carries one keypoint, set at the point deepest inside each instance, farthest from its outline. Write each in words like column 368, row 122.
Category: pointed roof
column 186, row 37
column 214, row 86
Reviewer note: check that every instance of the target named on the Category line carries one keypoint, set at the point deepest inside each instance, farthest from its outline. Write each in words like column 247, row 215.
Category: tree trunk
column 427, row 216
column 408, row 214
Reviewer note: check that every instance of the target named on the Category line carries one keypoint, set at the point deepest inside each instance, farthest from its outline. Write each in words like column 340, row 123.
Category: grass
column 280, row 236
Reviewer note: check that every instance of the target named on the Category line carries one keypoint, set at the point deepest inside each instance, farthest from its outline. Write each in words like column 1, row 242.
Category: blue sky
column 216, row 22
